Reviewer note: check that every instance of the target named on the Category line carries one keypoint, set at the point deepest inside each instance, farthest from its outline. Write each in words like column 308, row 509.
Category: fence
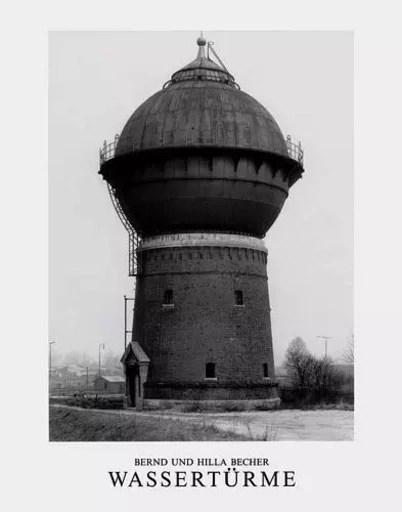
column 183, row 138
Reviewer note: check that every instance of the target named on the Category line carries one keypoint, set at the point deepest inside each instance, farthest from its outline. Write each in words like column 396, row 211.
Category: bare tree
column 313, row 379
column 297, row 362
column 349, row 354
column 296, row 350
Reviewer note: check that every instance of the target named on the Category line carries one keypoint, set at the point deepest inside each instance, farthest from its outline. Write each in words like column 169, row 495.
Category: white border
column 72, row 477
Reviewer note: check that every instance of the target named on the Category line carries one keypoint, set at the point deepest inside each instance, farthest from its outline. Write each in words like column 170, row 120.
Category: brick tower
column 199, row 174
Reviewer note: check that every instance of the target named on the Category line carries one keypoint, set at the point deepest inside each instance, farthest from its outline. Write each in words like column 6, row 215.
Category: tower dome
column 202, row 106
column 201, row 154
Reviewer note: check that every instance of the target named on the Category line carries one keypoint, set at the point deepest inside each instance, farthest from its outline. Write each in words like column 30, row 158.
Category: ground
column 289, row 425
column 68, row 423
column 75, row 424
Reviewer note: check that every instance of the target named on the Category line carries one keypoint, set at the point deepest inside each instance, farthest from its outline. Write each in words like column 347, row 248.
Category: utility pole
column 101, row 346
column 50, row 358
column 325, row 338
column 125, row 323
column 127, row 331
column 87, row 378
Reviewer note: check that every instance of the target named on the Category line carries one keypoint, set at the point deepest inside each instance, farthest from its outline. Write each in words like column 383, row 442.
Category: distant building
column 77, row 371
column 110, row 384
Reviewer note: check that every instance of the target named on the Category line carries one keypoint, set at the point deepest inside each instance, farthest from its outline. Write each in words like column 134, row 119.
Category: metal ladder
column 133, row 237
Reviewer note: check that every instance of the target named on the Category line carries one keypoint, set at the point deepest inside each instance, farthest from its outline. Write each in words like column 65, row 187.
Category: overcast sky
column 304, row 79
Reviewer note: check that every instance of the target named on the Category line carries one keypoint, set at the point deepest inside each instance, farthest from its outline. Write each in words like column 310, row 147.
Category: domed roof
column 201, row 106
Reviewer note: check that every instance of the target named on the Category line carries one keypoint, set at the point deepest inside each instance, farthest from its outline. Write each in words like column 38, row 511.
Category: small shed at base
column 110, row 384
column 136, row 364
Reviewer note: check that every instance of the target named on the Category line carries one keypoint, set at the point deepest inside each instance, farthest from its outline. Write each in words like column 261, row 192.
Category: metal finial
column 201, row 41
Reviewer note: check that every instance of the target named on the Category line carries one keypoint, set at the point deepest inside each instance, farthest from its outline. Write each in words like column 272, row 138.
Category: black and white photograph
column 201, row 256
column 201, row 226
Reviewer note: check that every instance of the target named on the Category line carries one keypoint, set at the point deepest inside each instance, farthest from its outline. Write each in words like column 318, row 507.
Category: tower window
column 239, row 298
column 210, row 371
column 265, row 370
column 168, row 297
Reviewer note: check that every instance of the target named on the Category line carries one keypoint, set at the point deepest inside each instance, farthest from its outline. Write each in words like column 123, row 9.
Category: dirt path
column 283, row 425
column 291, row 425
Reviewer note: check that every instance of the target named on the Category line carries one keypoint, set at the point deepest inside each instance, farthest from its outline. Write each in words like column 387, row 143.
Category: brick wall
column 211, row 391
column 204, row 324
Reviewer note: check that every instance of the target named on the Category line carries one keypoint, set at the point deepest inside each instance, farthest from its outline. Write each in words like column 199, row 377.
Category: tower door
column 132, row 376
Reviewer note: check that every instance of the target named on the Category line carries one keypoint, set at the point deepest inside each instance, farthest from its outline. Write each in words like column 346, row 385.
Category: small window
column 265, row 370
column 239, row 298
column 168, row 297
column 210, row 371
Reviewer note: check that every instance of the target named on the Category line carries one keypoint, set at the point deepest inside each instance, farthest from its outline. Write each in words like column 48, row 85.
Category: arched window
column 210, row 371
column 265, row 370
column 168, row 297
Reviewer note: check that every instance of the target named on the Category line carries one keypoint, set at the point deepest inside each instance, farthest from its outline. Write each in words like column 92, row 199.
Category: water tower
column 198, row 175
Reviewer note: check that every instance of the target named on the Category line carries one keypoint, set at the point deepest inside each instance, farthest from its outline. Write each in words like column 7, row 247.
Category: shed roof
column 113, row 378
column 135, row 348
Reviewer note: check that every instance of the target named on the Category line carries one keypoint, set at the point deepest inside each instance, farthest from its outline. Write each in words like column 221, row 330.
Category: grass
column 339, row 406
column 235, row 406
column 269, row 433
column 209, row 407
column 199, row 407
column 117, row 402
column 91, row 401
column 305, row 405
column 91, row 425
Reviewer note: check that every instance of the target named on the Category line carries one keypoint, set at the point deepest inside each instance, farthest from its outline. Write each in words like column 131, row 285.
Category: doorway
column 132, row 378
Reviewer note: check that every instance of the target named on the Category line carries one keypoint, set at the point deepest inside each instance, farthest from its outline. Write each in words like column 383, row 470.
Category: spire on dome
column 203, row 68
column 201, row 41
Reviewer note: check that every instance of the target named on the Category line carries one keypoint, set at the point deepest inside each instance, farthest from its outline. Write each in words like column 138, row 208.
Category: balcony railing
column 180, row 138
column 108, row 150
column 294, row 150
